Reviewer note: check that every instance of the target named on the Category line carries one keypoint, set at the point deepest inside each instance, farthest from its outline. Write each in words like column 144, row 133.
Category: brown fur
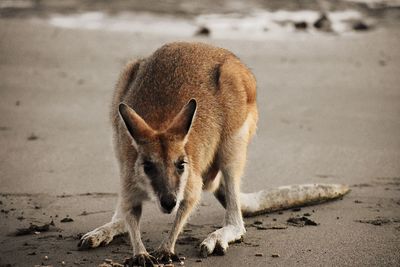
column 159, row 86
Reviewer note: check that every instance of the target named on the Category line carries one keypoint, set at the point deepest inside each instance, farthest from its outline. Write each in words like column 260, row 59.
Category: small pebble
column 198, row 260
column 63, row 263
column 259, row 255
column 275, row 255
column 46, row 257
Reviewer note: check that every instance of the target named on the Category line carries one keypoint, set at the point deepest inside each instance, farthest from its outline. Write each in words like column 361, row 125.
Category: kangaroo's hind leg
column 105, row 233
column 232, row 160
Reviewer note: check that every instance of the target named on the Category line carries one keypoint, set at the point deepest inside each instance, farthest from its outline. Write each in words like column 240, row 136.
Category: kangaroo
column 182, row 119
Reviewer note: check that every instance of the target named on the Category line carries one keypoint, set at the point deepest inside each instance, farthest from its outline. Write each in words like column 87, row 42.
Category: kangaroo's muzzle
column 168, row 202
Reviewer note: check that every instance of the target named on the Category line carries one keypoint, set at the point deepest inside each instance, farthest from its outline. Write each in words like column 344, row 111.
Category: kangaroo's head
column 162, row 158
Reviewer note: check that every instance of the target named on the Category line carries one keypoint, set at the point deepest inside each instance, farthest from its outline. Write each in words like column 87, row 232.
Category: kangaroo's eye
column 180, row 166
column 149, row 167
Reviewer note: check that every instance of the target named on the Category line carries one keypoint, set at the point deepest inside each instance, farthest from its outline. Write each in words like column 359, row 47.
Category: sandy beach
column 329, row 113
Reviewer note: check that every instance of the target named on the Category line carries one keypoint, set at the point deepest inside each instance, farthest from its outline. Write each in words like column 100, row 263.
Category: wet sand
column 329, row 112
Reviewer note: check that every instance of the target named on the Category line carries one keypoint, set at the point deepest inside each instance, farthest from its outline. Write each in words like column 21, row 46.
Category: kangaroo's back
column 159, row 86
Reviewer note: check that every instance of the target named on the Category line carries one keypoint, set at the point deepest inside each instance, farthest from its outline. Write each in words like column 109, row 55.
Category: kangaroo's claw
column 166, row 257
column 213, row 246
column 85, row 244
column 143, row 259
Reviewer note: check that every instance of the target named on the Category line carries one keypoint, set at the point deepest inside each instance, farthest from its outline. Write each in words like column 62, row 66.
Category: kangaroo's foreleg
column 166, row 252
column 141, row 256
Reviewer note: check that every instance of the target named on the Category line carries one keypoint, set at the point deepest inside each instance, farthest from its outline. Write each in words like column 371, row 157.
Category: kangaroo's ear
column 182, row 122
column 136, row 126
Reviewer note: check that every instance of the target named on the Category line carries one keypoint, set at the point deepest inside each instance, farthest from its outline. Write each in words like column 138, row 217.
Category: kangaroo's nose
column 168, row 203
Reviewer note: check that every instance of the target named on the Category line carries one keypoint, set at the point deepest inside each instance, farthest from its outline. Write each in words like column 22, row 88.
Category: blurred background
column 219, row 19
column 329, row 102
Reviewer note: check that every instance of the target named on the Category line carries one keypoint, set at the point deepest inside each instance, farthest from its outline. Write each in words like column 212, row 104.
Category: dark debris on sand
column 32, row 137
column 66, row 219
column 301, row 221
column 33, row 228
column 271, row 226
column 377, row 221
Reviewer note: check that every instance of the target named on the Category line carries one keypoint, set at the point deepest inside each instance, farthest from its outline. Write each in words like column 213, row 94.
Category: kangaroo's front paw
column 143, row 259
column 217, row 242
column 95, row 238
column 165, row 256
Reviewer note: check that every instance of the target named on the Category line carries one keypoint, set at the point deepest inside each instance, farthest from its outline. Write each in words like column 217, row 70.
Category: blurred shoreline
column 379, row 9
column 254, row 19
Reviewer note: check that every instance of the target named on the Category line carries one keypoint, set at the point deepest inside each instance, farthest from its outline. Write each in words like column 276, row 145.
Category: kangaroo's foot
column 102, row 235
column 217, row 242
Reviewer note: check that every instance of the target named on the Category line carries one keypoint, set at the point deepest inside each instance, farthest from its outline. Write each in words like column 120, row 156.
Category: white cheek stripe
column 182, row 186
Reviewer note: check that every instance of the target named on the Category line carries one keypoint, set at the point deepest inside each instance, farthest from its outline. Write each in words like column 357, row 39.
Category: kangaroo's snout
column 168, row 202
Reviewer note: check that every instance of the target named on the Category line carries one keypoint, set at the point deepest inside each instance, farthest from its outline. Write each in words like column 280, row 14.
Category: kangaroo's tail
column 286, row 197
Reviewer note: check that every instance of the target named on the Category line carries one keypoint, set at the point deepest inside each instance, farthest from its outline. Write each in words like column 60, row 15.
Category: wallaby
column 182, row 121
